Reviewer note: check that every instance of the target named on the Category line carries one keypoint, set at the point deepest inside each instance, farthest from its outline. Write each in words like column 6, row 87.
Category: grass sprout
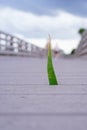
column 50, row 69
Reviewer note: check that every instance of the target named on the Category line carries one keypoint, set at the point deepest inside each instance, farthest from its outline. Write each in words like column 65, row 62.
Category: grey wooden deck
column 27, row 102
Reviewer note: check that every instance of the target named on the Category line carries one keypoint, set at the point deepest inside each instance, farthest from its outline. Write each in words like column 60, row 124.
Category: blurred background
column 33, row 20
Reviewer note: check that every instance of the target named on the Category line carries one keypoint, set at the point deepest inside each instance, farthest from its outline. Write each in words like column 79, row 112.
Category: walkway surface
column 27, row 102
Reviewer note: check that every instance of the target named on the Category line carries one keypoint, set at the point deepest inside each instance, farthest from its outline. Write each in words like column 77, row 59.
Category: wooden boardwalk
column 27, row 102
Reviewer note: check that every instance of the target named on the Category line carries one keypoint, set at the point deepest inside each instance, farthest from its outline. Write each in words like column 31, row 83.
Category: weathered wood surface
column 27, row 102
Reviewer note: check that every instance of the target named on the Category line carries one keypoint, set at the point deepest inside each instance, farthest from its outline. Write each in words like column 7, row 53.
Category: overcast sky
column 35, row 19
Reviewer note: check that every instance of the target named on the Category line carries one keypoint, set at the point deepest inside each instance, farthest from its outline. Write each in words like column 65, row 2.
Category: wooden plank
column 28, row 102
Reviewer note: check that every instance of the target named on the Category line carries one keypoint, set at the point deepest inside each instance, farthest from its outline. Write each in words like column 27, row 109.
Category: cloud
column 48, row 7
column 63, row 26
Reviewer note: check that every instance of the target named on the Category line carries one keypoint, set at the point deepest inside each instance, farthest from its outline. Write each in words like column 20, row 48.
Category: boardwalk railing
column 12, row 45
column 82, row 48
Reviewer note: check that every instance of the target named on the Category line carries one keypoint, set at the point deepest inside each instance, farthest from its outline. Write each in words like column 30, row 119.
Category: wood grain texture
column 27, row 102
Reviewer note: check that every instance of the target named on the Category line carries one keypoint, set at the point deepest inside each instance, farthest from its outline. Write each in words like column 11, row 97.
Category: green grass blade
column 51, row 73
